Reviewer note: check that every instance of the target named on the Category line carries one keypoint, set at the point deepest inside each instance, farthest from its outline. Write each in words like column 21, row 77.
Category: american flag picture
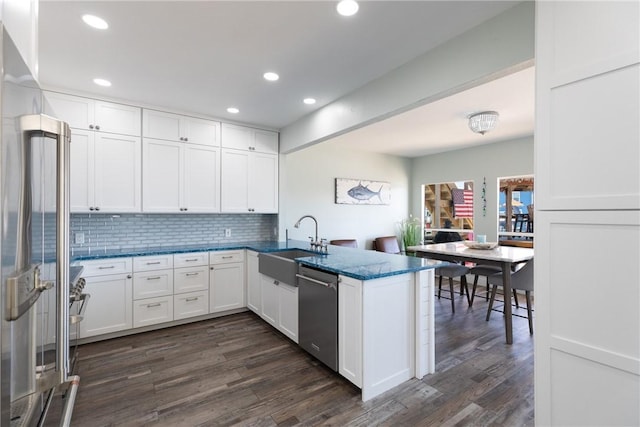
column 462, row 203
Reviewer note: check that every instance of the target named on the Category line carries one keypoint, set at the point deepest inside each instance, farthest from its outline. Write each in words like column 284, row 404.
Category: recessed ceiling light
column 347, row 7
column 309, row 101
column 95, row 22
column 233, row 110
column 271, row 76
column 102, row 82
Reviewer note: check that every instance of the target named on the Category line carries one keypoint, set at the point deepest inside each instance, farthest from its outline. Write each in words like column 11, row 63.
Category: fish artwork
column 361, row 192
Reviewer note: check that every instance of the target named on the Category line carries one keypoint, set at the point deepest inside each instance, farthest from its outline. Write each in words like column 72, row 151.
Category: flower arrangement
column 410, row 230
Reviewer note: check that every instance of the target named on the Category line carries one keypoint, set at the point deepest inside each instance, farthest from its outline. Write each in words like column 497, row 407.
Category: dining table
column 487, row 254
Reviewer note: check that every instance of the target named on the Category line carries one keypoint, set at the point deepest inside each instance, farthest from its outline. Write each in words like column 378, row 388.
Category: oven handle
column 77, row 318
column 316, row 281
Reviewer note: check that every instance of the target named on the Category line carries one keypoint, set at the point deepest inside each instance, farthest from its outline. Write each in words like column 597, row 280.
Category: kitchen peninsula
column 385, row 302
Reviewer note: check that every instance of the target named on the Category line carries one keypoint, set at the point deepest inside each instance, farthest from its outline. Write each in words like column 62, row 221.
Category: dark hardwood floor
column 237, row 370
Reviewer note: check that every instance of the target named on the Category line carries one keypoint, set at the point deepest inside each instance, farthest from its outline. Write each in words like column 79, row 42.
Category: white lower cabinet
column 150, row 311
column 350, row 330
column 254, row 296
column 150, row 284
column 280, row 306
column 226, row 280
column 190, row 304
column 110, row 284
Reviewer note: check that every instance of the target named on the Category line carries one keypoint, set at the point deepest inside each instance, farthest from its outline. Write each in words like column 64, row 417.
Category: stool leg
column 515, row 297
column 439, row 286
column 463, row 282
column 527, row 295
column 486, row 297
column 453, row 306
column 473, row 292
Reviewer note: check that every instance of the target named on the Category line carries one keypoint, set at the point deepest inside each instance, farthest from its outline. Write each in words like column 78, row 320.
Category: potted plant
column 410, row 230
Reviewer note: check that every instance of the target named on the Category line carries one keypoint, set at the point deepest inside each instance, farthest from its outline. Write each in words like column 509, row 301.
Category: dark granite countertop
column 356, row 263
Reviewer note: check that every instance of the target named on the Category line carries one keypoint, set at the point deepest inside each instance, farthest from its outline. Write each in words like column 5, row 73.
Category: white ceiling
column 201, row 57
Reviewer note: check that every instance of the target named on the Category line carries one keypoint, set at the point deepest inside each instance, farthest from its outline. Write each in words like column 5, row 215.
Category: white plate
column 478, row 245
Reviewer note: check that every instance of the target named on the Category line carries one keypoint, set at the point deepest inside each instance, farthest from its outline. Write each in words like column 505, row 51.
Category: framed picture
column 362, row 192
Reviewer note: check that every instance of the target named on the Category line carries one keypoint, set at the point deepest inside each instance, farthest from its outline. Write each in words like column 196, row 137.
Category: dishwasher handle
column 316, row 281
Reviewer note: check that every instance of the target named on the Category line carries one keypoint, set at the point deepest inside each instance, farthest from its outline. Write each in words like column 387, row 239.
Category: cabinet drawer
column 190, row 279
column 152, row 310
column 152, row 284
column 223, row 257
column 190, row 259
column 101, row 267
column 152, row 262
column 190, row 304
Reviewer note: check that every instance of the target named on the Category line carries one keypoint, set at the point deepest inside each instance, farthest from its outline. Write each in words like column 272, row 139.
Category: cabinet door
column 110, row 307
column 238, row 137
column 81, row 170
column 235, row 183
column 226, row 287
column 288, row 311
column 265, row 141
column 152, row 311
column 200, row 131
column 161, row 125
column 78, row 112
column 263, row 183
column 270, row 300
column 254, row 296
column 117, row 182
column 150, row 284
column 161, row 179
column 190, row 305
column 201, row 179
column 117, row 118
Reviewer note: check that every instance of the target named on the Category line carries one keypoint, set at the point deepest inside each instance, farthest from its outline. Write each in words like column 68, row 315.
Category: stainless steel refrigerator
column 34, row 249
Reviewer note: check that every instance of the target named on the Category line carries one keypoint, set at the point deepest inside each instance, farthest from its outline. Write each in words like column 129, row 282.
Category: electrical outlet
column 227, row 232
column 79, row 238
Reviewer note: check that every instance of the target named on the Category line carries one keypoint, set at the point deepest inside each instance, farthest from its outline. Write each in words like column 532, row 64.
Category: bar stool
column 451, row 271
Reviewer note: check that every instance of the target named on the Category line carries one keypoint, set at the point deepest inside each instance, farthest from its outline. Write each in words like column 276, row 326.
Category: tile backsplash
column 122, row 231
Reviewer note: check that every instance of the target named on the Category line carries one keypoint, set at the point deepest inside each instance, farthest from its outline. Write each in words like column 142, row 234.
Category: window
column 448, row 201
column 515, row 207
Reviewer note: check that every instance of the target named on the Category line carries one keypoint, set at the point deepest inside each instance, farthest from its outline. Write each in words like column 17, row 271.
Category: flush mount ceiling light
column 102, row 82
column 95, row 22
column 233, row 110
column 483, row 122
column 347, row 7
column 271, row 76
column 309, row 101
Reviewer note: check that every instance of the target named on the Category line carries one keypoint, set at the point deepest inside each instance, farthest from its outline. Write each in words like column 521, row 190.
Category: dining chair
column 450, row 271
column 521, row 279
column 388, row 244
column 530, row 218
column 348, row 243
column 482, row 270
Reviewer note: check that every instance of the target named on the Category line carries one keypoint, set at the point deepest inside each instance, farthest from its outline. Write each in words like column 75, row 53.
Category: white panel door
column 226, row 287
column 76, row 111
column 201, row 179
column 160, row 125
column 200, row 131
column 270, row 300
column 117, row 118
column 81, row 170
column 265, row 141
column 161, row 179
column 254, row 296
column 235, row 183
column 111, row 310
column 263, row 183
column 288, row 310
column 238, row 137
column 117, row 173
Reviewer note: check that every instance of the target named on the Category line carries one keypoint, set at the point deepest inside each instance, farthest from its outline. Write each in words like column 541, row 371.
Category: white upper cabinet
column 175, row 127
column 249, row 182
column 179, row 177
column 245, row 138
column 91, row 114
column 105, row 172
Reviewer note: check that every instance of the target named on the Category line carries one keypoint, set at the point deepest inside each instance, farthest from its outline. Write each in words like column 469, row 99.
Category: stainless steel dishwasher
column 318, row 314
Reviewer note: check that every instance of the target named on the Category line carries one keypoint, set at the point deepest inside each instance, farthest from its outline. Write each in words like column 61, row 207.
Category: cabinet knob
column 91, row 208
column 210, row 268
column 97, row 208
column 128, row 276
column 90, row 126
column 186, row 138
column 97, row 127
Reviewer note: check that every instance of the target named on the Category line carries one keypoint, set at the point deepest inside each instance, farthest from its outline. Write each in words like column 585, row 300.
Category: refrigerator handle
column 41, row 124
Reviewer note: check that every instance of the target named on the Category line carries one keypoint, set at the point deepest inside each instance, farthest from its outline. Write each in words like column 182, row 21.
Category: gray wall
column 491, row 161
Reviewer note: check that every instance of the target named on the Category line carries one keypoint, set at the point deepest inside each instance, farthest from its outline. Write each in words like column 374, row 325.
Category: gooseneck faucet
column 316, row 244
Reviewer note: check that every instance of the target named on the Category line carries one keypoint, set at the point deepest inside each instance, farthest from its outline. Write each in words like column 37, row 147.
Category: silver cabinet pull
column 191, row 260
column 191, row 274
column 153, row 278
column 157, row 304
column 191, row 299
column 153, row 263
column 106, row 267
column 227, row 257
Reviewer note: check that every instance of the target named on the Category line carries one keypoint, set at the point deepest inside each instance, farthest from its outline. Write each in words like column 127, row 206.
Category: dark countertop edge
column 361, row 276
